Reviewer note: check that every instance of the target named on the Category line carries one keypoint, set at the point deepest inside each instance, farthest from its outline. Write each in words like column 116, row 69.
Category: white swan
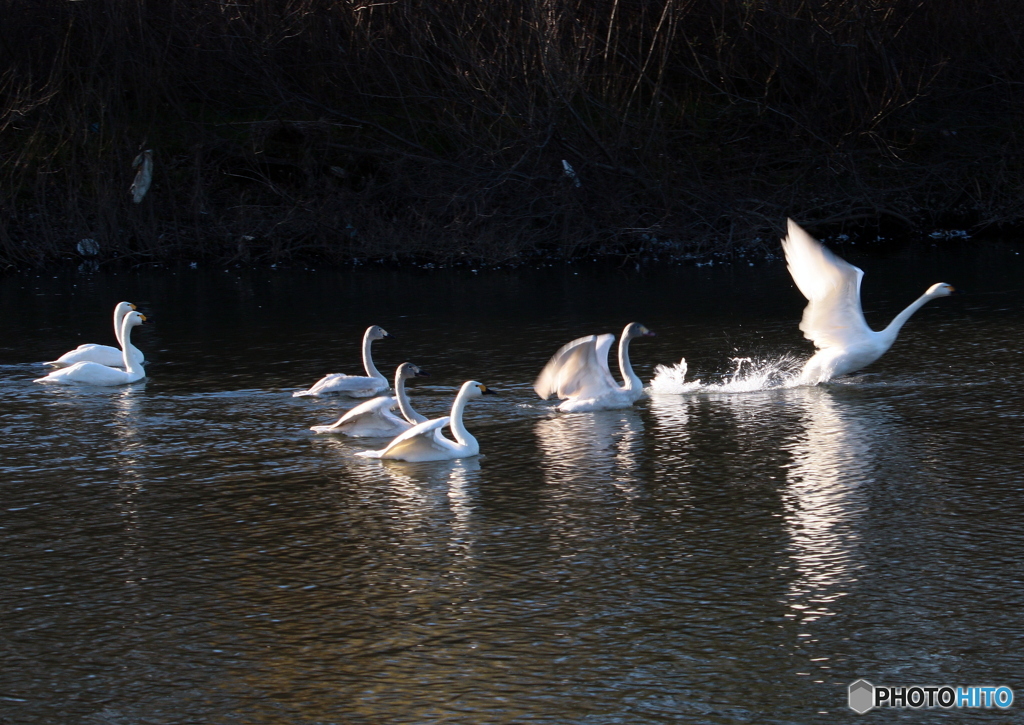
column 579, row 373
column 374, row 419
column 92, row 373
column 354, row 386
column 424, row 442
column 833, row 319
column 103, row 354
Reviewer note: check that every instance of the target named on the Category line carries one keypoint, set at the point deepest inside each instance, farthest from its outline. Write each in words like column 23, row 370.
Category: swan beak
column 143, row 317
column 132, row 306
column 422, row 374
column 648, row 333
column 487, row 391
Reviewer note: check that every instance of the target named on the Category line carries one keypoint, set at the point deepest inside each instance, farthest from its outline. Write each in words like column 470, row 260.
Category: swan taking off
column 103, row 354
column 579, row 373
column 833, row 319
column 92, row 373
column 354, row 386
column 374, row 419
column 424, row 442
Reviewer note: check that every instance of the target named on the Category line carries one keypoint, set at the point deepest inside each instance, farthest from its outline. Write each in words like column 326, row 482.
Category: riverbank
column 499, row 133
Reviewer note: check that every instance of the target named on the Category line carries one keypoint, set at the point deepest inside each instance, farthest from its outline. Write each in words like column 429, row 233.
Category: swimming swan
column 92, row 373
column 102, row 354
column 833, row 319
column 424, row 442
column 374, row 419
column 579, row 373
column 354, row 386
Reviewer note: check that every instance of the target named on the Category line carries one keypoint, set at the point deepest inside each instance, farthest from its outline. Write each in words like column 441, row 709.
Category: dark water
column 184, row 550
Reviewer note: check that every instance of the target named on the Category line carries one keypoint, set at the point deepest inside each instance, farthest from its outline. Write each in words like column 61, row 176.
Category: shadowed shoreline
column 500, row 132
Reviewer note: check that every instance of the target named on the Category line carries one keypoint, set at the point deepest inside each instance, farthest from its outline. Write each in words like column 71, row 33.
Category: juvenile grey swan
column 374, row 419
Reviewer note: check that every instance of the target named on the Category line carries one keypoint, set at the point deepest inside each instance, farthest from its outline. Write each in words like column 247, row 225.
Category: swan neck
column 131, row 364
column 463, row 436
column 119, row 316
column 889, row 333
column 371, row 369
column 632, row 381
column 404, row 405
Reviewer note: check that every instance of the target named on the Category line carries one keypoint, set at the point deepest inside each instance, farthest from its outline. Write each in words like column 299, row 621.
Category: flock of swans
column 578, row 374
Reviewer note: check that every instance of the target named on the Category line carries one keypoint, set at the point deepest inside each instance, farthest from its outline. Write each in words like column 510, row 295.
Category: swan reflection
column 605, row 445
column 591, row 463
column 130, row 462
column 824, row 500
column 435, row 501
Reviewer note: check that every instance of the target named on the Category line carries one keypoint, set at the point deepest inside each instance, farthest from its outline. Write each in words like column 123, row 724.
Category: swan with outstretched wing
column 834, row 319
column 579, row 374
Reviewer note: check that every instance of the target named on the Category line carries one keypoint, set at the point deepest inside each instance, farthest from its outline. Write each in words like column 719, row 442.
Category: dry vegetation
column 437, row 129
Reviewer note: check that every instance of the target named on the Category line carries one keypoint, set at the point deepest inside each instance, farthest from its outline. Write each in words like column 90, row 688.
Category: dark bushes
column 438, row 128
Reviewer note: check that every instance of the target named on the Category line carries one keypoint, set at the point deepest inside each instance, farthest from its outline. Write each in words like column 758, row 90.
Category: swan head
column 635, row 329
column 940, row 290
column 124, row 308
column 376, row 332
column 473, row 389
column 408, row 370
column 133, row 319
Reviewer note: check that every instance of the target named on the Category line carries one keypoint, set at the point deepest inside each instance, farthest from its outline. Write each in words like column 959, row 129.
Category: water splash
column 672, row 379
column 748, row 374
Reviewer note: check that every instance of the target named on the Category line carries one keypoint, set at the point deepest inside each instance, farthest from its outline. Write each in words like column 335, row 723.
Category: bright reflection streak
column 605, row 444
column 131, row 457
column 418, row 493
column 823, row 504
column 584, row 453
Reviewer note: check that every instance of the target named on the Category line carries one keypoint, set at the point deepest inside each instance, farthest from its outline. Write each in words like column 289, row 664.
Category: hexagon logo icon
column 862, row 696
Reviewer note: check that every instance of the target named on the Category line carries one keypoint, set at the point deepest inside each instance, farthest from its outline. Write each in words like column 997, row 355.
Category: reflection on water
column 824, row 499
column 832, row 460
column 728, row 551
column 606, row 445
column 131, row 463
column 590, row 464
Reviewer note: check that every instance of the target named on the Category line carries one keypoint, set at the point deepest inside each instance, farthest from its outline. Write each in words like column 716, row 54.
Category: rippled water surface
column 185, row 550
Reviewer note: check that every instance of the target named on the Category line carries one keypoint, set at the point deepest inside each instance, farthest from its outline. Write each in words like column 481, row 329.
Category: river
column 185, row 550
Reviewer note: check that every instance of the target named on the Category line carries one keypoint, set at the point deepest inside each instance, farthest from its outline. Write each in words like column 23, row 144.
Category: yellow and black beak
column 487, row 391
column 132, row 306
column 143, row 317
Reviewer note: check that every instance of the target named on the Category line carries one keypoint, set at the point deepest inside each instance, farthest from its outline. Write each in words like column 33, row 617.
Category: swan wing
column 369, row 419
column 91, row 352
column 102, row 354
column 422, row 441
column 833, row 316
column 91, row 373
column 354, row 385
column 379, row 406
column 578, row 370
